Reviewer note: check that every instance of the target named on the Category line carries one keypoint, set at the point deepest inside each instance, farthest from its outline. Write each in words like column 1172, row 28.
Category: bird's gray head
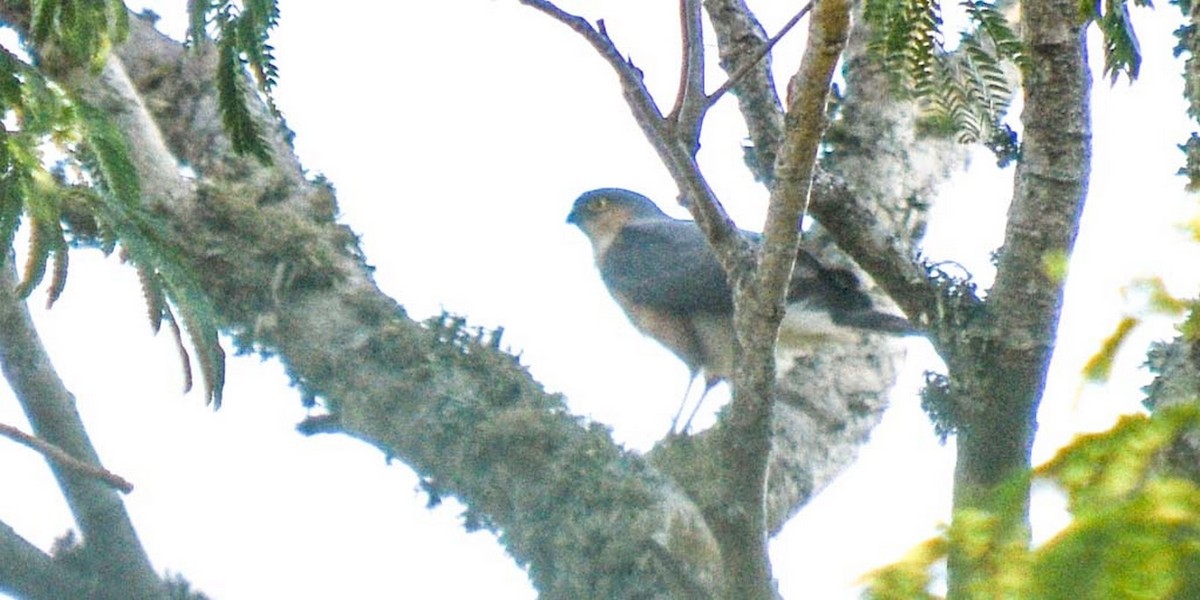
column 611, row 204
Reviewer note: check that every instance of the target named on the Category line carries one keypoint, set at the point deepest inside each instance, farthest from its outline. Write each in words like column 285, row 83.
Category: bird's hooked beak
column 573, row 217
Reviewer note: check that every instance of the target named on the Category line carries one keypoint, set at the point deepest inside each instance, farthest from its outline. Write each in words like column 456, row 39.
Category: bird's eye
column 599, row 204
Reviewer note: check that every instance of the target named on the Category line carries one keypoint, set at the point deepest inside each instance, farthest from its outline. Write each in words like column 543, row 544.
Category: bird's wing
column 837, row 289
column 666, row 264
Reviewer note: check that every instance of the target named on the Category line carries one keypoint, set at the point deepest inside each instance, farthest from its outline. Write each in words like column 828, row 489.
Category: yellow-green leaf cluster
column 1156, row 300
column 1134, row 533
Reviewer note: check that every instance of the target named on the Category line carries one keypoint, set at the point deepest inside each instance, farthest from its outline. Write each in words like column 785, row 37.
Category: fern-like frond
column 242, row 31
column 1122, row 53
column 185, row 359
column 244, row 132
column 156, row 303
column 82, row 31
column 258, row 18
column 992, row 25
column 198, row 15
column 168, row 283
column 12, row 206
column 964, row 94
column 47, row 246
column 906, row 36
column 112, row 161
column 146, row 244
column 93, row 196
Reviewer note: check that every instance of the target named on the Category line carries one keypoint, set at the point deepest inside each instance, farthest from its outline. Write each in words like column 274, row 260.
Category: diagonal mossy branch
column 444, row 400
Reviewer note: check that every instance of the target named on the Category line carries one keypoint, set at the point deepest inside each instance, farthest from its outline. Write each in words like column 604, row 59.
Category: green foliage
column 938, row 402
column 1099, row 366
column 1191, row 168
column 242, row 37
column 1122, row 55
column 964, row 94
column 83, row 31
column 906, row 38
column 146, row 244
column 1153, row 298
column 91, row 197
column 1134, row 532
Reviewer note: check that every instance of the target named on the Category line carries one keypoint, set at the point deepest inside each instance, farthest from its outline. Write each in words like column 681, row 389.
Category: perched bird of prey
column 666, row 278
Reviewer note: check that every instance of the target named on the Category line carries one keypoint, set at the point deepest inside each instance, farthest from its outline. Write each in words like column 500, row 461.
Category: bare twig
column 61, row 457
column 645, row 109
column 690, row 102
column 740, row 36
column 108, row 532
column 744, row 70
column 733, row 252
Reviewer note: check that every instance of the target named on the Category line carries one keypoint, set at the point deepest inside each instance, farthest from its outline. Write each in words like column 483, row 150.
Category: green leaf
column 163, row 274
column 243, row 131
column 198, row 14
column 81, row 31
column 1122, row 53
column 1099, row 469
column 963, row 94
column 146, row 243
column 1099, row 366
column 12, row 205
column 1135, row 534
column 111, row 153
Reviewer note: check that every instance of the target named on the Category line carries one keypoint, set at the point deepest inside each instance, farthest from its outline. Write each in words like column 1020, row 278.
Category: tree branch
column 59, row 456
column 466, row 416
column 734, row 253
column 878, row 180
column 111, row 543
column 741, row 40
column 687, row 116
column 855, row 222
column 759, row 307
column 28, row 573
column 748, row 66
column 998, row 375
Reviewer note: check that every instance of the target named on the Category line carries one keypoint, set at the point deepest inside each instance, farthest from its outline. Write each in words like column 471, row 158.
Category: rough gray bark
column 999, row 362
column 1013, row 352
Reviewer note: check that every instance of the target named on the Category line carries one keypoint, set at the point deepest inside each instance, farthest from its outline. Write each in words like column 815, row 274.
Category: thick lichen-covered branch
column 444, row 399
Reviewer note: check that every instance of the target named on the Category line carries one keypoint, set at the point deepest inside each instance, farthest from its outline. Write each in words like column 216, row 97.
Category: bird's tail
column 848, row 305
column 873, row 320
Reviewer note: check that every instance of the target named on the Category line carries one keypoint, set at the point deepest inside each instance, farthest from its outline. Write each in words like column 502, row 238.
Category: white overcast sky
column 458, row 134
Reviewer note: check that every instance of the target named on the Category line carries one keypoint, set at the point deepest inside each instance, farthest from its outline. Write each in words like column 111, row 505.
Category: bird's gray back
column 666, row 263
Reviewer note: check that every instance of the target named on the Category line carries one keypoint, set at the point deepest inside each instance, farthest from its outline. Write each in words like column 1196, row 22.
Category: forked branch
column 748, row 66
column 731, row 250
column 687, row 115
